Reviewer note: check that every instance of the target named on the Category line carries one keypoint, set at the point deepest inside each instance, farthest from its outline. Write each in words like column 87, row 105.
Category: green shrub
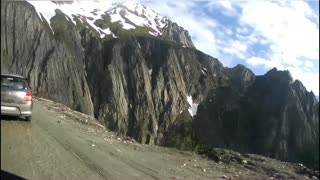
column 181, row 134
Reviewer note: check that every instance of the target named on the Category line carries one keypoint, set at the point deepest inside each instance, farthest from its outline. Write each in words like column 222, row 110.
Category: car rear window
column 12, row 83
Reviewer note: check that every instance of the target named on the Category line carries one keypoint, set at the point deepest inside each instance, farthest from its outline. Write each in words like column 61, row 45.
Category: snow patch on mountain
column 193, row 106
column 46, row 14
column 145, row 16
column 116, row 17
column 85, row 9
column 102, row 32
column 129, row 14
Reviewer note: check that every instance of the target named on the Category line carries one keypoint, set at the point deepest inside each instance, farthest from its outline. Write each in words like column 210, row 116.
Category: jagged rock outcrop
column 140, row 86
column 241, row 78
column 275, row 117
column 175, row 33
column 166, row 29
column 149, row 87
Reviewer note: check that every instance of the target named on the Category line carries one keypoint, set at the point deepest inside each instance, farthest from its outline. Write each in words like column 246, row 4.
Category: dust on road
column 63, row 144
column 52, row 146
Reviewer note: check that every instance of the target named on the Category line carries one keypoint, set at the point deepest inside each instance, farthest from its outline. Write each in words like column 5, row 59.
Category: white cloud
column 207, row 34
column 293, row 36
column 288, row 32
column 267, row 64
column 302, row 8
column 234, row 47
column 199, row 25
column 243, row 30
column 309, row 79
column 227, row 7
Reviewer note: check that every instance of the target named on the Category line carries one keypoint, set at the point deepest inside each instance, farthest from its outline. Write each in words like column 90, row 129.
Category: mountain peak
column 128, row 15
column 132, row 14
column 280, row 75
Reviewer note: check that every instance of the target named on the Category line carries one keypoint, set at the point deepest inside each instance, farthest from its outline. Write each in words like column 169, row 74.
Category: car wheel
column 28, row 118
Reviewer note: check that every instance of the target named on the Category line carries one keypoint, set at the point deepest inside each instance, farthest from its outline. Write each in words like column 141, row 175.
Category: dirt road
column 63, row 144
column 53, row 146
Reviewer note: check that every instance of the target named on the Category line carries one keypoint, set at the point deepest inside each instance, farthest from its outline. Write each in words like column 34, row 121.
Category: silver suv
column 16, row 96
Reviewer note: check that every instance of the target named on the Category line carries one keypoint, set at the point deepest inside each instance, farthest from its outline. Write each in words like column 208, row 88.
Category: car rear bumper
column 16, row 109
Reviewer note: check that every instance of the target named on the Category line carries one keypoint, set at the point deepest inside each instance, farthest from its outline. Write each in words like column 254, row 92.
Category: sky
column 259, row 34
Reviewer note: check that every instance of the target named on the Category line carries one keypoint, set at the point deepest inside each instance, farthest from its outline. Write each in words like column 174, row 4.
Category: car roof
column 14, row 75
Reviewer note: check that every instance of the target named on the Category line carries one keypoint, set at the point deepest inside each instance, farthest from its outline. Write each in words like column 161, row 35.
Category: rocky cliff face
column 28, row 48
column 139, row 86
column 241, row 78
column 175, row 33
column 274, row 116
column 157, row 91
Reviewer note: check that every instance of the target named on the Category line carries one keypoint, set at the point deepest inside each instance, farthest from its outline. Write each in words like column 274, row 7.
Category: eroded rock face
column 139, row 90
column 274, row 116
column 30, row 49
column 241, row 78
column 140, row 87
column 175, row 33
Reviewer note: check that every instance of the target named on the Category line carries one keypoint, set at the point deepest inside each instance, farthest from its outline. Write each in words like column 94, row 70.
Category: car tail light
column 28, row 97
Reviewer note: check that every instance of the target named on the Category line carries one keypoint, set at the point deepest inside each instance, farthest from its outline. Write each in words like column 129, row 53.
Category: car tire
column 28, row 118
